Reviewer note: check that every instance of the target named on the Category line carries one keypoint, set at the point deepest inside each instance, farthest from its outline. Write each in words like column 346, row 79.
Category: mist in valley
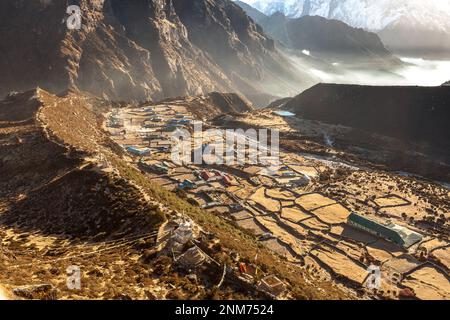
column 409, row 72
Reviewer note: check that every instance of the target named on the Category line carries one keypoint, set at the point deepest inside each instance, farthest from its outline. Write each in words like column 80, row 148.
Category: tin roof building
column 397, row 234
column 138, row 151
column 285, row 114
column 186, row 184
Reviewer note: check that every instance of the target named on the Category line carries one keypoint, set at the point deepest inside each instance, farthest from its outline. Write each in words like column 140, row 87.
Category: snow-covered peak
column 291, row 8
column 373, row 15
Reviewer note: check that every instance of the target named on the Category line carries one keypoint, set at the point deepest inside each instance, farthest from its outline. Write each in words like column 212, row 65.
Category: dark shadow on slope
column 84, row 204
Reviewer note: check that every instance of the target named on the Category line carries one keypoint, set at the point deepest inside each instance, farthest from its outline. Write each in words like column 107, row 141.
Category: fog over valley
column 331, row 43
column 413, row 71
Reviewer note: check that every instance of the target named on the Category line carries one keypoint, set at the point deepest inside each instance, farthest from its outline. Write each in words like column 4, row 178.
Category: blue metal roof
column 284, row 113
column 138, row 151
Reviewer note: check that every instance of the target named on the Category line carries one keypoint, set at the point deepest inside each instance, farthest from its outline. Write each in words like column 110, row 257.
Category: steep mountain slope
column 147, row 49
column 446, row 83
column 333, row 37
column 212, row 104
column 322, row 37
column 400, row 23
column 65, row 193
column 239, row 46
column 252, row 12
column 38, row 49
column 415, row 115
column 402, row 128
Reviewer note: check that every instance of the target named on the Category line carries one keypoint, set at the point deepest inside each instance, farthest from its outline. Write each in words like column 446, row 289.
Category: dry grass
column 391, row 200
column 280, row 194
column 294, row 214
column 266, row 203
column 443, row 256
column 429, row 284
column 341, row 265
column 308, row 170
column 333, row 214
column 313, row 201
column 314, row 224
column 432, row 244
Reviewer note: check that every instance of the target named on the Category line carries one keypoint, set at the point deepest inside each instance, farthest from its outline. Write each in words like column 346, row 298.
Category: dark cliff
column 417, row 115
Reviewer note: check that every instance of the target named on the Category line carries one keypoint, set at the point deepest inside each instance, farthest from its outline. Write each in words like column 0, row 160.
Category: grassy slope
column 79, row 127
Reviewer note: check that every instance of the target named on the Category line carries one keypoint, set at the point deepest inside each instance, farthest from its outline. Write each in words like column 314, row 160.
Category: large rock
column 38, row 291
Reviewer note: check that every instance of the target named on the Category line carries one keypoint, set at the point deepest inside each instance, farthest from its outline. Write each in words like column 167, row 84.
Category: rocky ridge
column 146, row 50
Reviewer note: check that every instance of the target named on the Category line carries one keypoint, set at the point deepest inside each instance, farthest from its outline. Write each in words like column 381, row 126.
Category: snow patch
column 368, row 14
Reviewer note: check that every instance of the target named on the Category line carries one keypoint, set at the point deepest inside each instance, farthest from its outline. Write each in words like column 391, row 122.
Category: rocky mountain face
column 38, row 49
column 409, row 26
column 446, row 83
column 139, row 50
column 239, row 46
column 252, row 12
column 321, row 36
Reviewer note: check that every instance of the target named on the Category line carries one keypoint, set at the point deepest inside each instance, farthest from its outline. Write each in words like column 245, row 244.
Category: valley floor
column 103, row 193
column 70, row 197
column 301, row 212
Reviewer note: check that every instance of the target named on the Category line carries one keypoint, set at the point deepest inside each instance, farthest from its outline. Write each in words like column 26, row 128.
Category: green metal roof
column 380, row 229
column 409, row 237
